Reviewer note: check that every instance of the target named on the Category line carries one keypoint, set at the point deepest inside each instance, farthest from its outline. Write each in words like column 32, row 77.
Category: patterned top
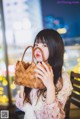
column 42, row 110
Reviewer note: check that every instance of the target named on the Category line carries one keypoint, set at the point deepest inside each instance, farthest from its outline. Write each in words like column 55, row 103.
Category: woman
column 48, row 103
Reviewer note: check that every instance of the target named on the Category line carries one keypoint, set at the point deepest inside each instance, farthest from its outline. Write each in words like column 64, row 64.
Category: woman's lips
column 38, row 55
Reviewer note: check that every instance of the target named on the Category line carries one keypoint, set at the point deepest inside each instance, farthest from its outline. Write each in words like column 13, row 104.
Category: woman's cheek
column 46, row 55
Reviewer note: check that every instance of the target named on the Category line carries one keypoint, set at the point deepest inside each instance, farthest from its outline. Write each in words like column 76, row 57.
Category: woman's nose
column 38, row 50
column 40, row 46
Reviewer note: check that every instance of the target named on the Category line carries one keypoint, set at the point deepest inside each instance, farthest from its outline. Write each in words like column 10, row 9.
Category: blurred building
column 20, row 20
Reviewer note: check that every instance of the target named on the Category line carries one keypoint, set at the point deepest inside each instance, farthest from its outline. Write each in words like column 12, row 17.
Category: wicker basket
column 24, row 72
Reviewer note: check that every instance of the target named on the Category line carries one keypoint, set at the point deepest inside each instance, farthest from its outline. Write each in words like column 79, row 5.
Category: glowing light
column 1, row 89
column 62, row 30
column 4, row 99
column 77, row 67
column 5, row 83
column 13, row 86
column 1, row 92
column 4, row 78
column 1, row 78
column 56, row 22
column 0, row 98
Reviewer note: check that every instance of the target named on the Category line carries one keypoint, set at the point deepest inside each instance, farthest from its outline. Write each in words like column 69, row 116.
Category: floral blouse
column 42, row 110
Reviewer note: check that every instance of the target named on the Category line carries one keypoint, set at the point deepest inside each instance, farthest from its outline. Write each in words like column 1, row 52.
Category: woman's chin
column 39, row 60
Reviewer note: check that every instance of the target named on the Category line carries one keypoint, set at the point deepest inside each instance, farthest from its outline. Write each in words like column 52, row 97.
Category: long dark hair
column 56, row 50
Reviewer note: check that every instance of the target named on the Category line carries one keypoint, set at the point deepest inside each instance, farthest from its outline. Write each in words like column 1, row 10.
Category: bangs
column 40, row 40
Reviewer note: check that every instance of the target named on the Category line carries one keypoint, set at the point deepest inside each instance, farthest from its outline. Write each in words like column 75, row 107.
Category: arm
column 19, row 99
column 55, row 110
column 26, row 107
column 54, row 105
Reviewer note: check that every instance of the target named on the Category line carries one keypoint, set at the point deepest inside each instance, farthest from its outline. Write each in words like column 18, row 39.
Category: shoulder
column 66, row 80
column 65, row 75
column 62, row 81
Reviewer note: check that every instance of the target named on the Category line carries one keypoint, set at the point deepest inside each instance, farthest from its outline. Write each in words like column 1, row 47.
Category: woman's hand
column 45, row 74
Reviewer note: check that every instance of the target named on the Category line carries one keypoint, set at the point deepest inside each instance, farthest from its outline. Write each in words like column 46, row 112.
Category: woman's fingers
column 39, row 76
column 46, row 67
column 41, row 68
column 45, row 74
column 39, row 71
column 51, row 71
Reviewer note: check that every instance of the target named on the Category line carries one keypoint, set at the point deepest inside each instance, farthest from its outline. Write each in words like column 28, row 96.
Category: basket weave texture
column 24, row 72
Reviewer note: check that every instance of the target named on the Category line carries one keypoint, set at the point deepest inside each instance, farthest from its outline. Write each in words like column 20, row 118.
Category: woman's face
column 38, row 54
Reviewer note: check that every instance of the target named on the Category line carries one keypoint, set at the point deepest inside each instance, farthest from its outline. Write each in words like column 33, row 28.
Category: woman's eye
column 45, row 45
column 36, row 45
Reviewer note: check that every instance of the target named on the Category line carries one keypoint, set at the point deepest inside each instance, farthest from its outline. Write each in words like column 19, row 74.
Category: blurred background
column 20, row 21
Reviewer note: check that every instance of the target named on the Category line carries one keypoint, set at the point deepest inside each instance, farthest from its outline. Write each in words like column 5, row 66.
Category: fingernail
column 40, row 62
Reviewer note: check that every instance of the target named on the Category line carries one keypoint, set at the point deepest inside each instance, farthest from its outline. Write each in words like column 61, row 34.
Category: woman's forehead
column 40, row 40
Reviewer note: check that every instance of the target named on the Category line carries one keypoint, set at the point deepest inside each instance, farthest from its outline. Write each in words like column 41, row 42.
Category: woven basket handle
column 41, row 52
column 32, row 53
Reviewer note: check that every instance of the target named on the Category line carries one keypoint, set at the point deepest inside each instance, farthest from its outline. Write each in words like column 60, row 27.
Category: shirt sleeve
column 19, row 103
column 66, row 90
column 26, row 107
column 56, row 109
